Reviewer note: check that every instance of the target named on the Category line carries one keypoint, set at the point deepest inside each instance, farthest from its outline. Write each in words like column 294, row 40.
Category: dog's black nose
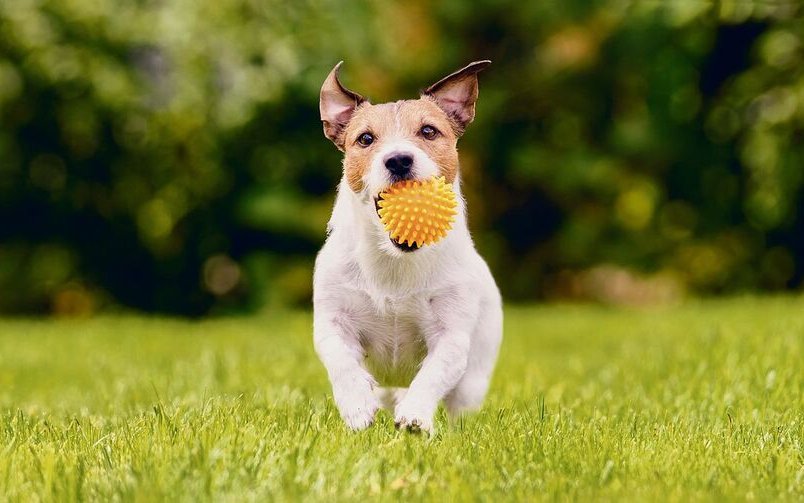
column 399, row 164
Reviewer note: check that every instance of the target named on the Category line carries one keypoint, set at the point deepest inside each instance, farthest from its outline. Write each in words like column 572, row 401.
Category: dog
column 397, row 325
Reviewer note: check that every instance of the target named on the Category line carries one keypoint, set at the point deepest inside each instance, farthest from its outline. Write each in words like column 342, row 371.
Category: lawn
column 700, row 401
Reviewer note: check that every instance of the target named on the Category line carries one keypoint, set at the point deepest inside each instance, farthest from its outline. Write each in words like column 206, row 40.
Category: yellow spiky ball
column 418, row 213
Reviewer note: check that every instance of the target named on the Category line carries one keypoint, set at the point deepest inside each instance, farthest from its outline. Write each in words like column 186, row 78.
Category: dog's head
column 409, row 139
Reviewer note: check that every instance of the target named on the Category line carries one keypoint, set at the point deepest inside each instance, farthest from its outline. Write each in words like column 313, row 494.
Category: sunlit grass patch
column 702, row 401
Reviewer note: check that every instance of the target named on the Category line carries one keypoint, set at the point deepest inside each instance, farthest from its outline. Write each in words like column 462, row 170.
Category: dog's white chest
column 393, row 340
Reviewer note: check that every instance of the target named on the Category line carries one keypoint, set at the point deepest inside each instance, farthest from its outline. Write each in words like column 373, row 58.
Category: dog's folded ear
column 456, row 93
column 337, row 104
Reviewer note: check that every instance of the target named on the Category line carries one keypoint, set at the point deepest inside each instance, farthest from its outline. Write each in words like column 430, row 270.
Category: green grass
column 702, row 401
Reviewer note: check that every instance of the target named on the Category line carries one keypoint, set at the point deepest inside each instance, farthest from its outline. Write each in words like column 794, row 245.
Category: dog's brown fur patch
column 392, row 121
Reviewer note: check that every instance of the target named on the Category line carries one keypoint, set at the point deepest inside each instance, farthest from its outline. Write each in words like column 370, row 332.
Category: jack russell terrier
column 425, row 323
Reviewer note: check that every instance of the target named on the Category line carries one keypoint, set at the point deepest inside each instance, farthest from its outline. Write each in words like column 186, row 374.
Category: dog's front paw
column 357, row 404
column 413, row 418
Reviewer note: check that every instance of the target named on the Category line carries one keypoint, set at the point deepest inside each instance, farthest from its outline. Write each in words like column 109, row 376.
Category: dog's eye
column 365, row 139
column 428, row 131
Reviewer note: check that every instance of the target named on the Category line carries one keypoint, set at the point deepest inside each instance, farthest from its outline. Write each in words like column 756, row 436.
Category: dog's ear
column 456, row 93
column 337, row 104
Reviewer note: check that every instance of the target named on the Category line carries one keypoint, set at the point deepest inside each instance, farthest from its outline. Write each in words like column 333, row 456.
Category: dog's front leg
column 441, row 370
column 338, row 347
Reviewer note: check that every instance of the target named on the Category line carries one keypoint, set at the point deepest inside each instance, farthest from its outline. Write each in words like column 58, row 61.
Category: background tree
column 168, row 155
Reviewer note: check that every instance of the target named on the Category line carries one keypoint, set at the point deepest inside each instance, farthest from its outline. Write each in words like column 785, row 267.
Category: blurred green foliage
column 168, row 155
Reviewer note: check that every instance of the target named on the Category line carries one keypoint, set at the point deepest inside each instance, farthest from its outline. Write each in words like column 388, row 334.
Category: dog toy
column 418, row 213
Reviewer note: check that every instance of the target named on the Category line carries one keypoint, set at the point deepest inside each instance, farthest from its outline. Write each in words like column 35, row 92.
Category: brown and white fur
column 424, row 323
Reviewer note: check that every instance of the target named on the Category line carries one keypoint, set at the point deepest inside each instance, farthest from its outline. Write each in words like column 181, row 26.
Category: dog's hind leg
column 469, row 393
column 389, row 397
